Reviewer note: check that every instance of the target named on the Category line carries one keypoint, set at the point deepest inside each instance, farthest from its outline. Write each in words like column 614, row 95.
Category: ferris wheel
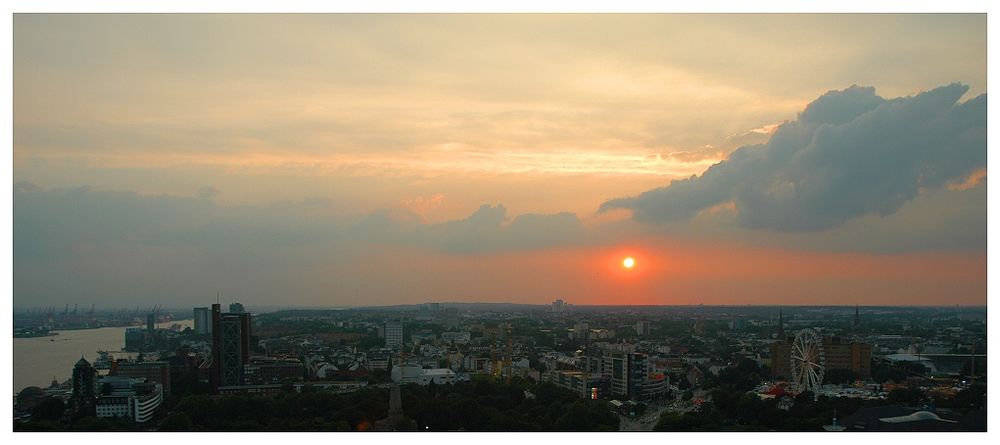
column 808, row 361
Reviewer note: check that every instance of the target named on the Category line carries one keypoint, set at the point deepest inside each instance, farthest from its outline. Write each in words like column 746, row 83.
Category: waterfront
column 37, row 360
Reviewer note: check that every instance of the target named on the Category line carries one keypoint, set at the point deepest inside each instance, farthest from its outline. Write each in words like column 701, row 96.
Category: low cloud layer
column 850, row 153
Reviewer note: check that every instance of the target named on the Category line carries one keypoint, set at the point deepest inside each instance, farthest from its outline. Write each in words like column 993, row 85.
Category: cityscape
column 361, row 223
column 628, row 368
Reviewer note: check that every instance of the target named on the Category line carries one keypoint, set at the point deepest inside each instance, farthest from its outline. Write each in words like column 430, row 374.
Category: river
column 38, row 360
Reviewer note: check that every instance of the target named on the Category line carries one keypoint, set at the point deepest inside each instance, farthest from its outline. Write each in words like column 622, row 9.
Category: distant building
column 267, row 370
column 135, row 339
column 134, row 398
column 615, row 367
column 558, row 306
column 838, row 354
column 456, row 337
column 151, row 324
column 393, row 335
column 83, row 400
column 155, row 372
column 451, row 317
column 642, row 328
column 235, row 341
column 581, row 331
column 236, row 308
column 379, row 360
column 230, row 347
column 420, row 376
column 586, row 385
column 202, row 321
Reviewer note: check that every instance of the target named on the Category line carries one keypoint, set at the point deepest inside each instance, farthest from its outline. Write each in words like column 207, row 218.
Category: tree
column 906, row 396
column 177, row 422
column 51, row 408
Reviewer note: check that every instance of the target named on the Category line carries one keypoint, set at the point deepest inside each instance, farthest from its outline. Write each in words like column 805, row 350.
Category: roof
column 916, row 417
column 901, row 419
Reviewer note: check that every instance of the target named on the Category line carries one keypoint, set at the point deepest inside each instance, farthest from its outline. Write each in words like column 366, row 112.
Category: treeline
column 463, row 406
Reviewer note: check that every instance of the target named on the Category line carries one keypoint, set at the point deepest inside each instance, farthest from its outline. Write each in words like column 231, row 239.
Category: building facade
column 157, row 372
column 838, row 354
column 202, row 321
column 393, row 335
column 230, row 347
column 83, row 401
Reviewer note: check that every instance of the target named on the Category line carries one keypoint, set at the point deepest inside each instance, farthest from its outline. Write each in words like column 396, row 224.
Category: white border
column 732, row 6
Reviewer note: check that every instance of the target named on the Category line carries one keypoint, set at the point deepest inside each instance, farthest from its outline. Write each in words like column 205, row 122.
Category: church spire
column 781, row 325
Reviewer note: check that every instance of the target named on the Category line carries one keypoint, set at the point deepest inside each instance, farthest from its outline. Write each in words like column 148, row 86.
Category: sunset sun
column 628, row 262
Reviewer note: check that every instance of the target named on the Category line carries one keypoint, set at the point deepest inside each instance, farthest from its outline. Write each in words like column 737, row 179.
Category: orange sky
column 344, row 159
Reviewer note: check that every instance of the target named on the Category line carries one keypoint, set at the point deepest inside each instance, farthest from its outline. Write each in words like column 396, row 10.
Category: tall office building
column 151, row 323
column 615, row 368
column 236, row 308
column 202, row 321
column 393, row 334
column 230, row 347
column 215, row 377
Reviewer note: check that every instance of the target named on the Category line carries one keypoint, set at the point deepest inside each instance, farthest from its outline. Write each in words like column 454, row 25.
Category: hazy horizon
column 357, row 160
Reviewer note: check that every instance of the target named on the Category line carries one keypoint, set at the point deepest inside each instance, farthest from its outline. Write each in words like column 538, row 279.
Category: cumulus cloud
column 850, row 153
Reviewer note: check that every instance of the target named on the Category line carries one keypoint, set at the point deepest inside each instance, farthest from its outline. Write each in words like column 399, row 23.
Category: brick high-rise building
column 838, row 354
column 83, row 401
column 157, row 372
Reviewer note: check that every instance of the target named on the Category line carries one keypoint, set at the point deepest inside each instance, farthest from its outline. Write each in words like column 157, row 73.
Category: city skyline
column 356, row 160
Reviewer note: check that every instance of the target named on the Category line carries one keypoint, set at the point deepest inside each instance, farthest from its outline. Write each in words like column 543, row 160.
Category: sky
column 352, row 159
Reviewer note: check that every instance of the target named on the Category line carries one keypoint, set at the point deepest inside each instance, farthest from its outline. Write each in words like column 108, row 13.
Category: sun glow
column 628, row 262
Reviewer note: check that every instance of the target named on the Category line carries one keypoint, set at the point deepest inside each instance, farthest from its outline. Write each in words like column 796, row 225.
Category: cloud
column 850, row 153
column 488, row 229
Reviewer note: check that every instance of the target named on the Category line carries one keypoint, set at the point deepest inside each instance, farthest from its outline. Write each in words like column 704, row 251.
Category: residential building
column 393, row 335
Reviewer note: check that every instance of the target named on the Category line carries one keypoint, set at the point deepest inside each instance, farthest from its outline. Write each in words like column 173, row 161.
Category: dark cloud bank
column 850, row 153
